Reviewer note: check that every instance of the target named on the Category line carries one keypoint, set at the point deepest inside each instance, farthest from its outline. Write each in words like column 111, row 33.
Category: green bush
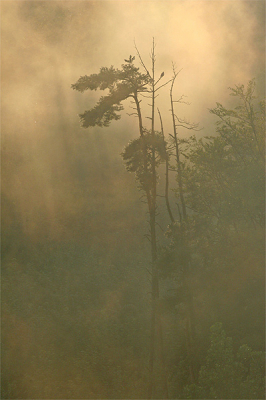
column 227, row 375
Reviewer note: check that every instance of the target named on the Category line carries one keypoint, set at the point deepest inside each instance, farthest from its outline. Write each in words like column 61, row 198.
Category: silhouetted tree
column 142, row 156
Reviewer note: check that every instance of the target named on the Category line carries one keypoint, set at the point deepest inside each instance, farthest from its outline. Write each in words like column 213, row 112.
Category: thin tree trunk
column 179, row 170
column 156, row 323
column 166, row 193
column 155, row 286
column 190, row 325
column 155, row 283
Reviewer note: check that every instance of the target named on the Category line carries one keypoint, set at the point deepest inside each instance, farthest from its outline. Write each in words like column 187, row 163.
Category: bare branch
column 190, row 127
column 166, row 172
column 160, row 226
column 147, row 270
column 143, row 95
column 147, row 237
column 141, row 61
column 180, row 100
column 163, row 85
column 130, row 114
column 174, row 71
column 186, row 124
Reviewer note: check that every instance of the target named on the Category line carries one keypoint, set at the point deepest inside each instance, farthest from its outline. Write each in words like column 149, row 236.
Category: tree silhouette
column 142, row 156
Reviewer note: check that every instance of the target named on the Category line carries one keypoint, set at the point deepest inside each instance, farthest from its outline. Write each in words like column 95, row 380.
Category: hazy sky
column 48, row 45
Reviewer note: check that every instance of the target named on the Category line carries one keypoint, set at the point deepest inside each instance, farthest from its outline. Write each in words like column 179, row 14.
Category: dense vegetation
column 76, row 313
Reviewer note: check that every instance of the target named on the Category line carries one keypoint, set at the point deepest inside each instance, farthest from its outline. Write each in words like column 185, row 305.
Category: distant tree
column 223, row 235
column 225, row 173
column 227, row 375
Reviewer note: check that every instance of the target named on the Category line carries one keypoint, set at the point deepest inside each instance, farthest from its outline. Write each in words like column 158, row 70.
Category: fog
column 46, row 46
column 68, row 204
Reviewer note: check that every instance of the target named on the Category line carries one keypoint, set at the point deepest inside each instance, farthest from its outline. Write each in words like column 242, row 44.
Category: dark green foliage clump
column 138, row 149
column 103, row 80
column 121, row 84
column 224, row 177
column 226, row 375
column 102, row 114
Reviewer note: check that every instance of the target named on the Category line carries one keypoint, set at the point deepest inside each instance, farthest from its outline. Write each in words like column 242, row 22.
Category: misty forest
column 133, row 199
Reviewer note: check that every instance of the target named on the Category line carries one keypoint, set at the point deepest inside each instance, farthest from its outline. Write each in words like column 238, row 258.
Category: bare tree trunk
column 155, row 286
column 190, row 324
column 166, row 193
column 179, row 171
column 156, row 323
column 155, row 282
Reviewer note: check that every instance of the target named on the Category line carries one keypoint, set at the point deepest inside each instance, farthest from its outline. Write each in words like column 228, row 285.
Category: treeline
column 178, row 316
column 216, row 255
column 214, row 260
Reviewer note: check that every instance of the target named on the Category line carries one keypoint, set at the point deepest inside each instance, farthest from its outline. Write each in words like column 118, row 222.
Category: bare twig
column 141, row 61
